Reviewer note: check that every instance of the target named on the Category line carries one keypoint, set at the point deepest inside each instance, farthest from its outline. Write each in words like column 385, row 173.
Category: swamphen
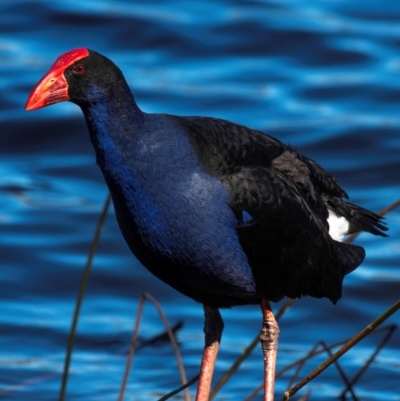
column 222, row 213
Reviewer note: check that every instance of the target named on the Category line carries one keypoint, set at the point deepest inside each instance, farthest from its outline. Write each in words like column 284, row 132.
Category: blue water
column 322, row 75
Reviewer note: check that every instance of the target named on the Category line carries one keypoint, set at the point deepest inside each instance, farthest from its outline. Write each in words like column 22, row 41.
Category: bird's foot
column 269, row 343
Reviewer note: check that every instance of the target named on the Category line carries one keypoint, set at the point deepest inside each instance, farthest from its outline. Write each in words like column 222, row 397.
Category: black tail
column 351, row 255
column 360, row 219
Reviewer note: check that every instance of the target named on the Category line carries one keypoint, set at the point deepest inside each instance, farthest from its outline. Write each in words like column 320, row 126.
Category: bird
column 225, row 214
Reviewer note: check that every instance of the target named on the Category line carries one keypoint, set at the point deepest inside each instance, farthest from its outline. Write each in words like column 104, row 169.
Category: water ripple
column 323, row 76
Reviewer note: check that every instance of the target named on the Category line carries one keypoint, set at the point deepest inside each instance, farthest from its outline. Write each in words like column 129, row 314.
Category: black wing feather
column 225, row 148
column 287, row 195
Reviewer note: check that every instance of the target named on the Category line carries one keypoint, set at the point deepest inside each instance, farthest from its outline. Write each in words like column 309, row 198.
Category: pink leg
column 213, row 327
column 269, row 343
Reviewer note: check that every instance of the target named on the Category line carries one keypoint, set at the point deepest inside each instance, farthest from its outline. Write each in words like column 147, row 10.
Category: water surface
column 323, row 76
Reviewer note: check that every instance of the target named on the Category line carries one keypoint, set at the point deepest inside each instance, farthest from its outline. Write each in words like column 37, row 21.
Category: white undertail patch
column 338, row 226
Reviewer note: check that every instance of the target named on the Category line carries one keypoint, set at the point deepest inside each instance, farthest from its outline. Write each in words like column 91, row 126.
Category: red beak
column 52, row 88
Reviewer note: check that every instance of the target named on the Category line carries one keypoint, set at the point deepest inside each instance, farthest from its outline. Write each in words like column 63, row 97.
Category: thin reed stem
column 172, row 338
column 350, row 344
column 81, row 293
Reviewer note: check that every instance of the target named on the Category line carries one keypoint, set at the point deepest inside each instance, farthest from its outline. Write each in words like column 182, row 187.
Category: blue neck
column 111, row 122
column 133, row 150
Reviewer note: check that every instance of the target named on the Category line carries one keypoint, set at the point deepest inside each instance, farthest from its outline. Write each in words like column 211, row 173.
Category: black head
column 82, row 76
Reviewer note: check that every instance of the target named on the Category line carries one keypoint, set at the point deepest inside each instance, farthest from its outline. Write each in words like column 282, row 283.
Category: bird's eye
column 79, row 69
